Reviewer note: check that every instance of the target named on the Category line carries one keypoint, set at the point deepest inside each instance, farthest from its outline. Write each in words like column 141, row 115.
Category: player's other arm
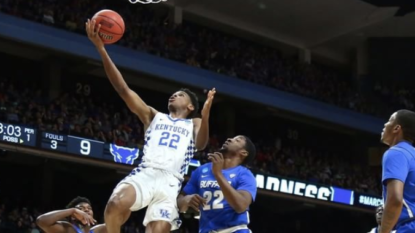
column 202, row 125
column 50, row 222
column 239, row 199
column 395, row 171
column 202, row 132
column 133, row 101
column 393, row 205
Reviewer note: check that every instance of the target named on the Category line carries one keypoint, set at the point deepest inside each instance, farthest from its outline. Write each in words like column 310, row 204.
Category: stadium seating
column 149, row 31
column 84, row 117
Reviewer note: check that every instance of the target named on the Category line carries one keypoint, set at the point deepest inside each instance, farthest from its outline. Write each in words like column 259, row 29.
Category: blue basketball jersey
column 399, row 163
column 217, row 213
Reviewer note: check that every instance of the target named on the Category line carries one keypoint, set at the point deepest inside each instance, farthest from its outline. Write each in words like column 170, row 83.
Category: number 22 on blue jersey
column 216, row 197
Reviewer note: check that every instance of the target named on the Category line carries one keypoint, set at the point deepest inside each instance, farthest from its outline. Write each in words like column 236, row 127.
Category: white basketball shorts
column 157, row 189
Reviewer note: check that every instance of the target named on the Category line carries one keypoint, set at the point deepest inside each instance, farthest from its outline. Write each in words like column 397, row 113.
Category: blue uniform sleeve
column 395, row 166
column 192, row 186
column 247, row 182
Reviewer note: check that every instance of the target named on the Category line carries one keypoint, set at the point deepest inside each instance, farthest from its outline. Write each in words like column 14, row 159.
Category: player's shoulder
column 202, row 169
column 399, row 155
column 205, row 167
column 168, row 118
column 245, row 171
column 160, row 114
column 401, row 149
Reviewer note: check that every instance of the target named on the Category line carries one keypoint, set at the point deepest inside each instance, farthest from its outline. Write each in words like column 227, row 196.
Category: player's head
column 184, row 99
column 401, row 126
column 80, row 203
column 378, row 214
column 240, row 146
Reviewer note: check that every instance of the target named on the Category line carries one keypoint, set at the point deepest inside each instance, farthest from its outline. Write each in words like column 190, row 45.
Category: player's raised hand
column 195, row 202
column 93, row 33
column 208, row 103
column 217, row 162
column 84, row 218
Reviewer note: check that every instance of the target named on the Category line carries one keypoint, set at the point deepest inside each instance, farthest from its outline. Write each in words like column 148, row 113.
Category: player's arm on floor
column 202, row 125
column 189, row 196
column 133, row 101
column 395, row 171
column 51, row 222
column 240, row 198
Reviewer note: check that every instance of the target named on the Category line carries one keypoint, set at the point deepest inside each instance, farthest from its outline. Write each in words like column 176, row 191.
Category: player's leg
column 118, row 207
column 131, row 194
column 158, row 226
column 162, row 215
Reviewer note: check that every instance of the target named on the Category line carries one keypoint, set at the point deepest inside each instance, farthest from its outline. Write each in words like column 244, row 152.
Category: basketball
column 112, row 26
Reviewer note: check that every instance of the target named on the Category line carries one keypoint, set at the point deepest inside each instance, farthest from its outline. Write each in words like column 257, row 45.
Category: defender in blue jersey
column 79, row 217
column 398, row 175
column 223, row 189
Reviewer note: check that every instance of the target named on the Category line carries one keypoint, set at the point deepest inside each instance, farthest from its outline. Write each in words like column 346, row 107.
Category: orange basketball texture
column 112, row 26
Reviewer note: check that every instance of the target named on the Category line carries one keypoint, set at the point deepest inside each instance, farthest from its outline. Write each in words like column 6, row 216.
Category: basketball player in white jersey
column 170, row 141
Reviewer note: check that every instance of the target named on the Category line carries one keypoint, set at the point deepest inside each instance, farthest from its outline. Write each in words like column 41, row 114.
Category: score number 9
column 84, row 145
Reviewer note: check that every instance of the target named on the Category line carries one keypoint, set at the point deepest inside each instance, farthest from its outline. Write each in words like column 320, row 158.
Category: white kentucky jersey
column 169, row 144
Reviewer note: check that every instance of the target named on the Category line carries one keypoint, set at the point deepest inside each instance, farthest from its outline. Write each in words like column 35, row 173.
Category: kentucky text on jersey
column 172, row 128
column 399, row 163
column 217, row 214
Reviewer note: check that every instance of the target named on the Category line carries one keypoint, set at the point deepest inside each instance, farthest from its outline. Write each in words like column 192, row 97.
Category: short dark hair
column 250, row 148
column 78, row 200
column 406, row 119
column 194, row 100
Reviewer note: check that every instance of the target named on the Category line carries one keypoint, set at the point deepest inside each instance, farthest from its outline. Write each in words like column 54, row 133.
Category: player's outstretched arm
column 50, row 222
column 133, row 101
column 202, row 125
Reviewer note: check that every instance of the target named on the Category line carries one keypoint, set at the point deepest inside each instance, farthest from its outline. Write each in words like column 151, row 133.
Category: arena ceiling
column 327, row 27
